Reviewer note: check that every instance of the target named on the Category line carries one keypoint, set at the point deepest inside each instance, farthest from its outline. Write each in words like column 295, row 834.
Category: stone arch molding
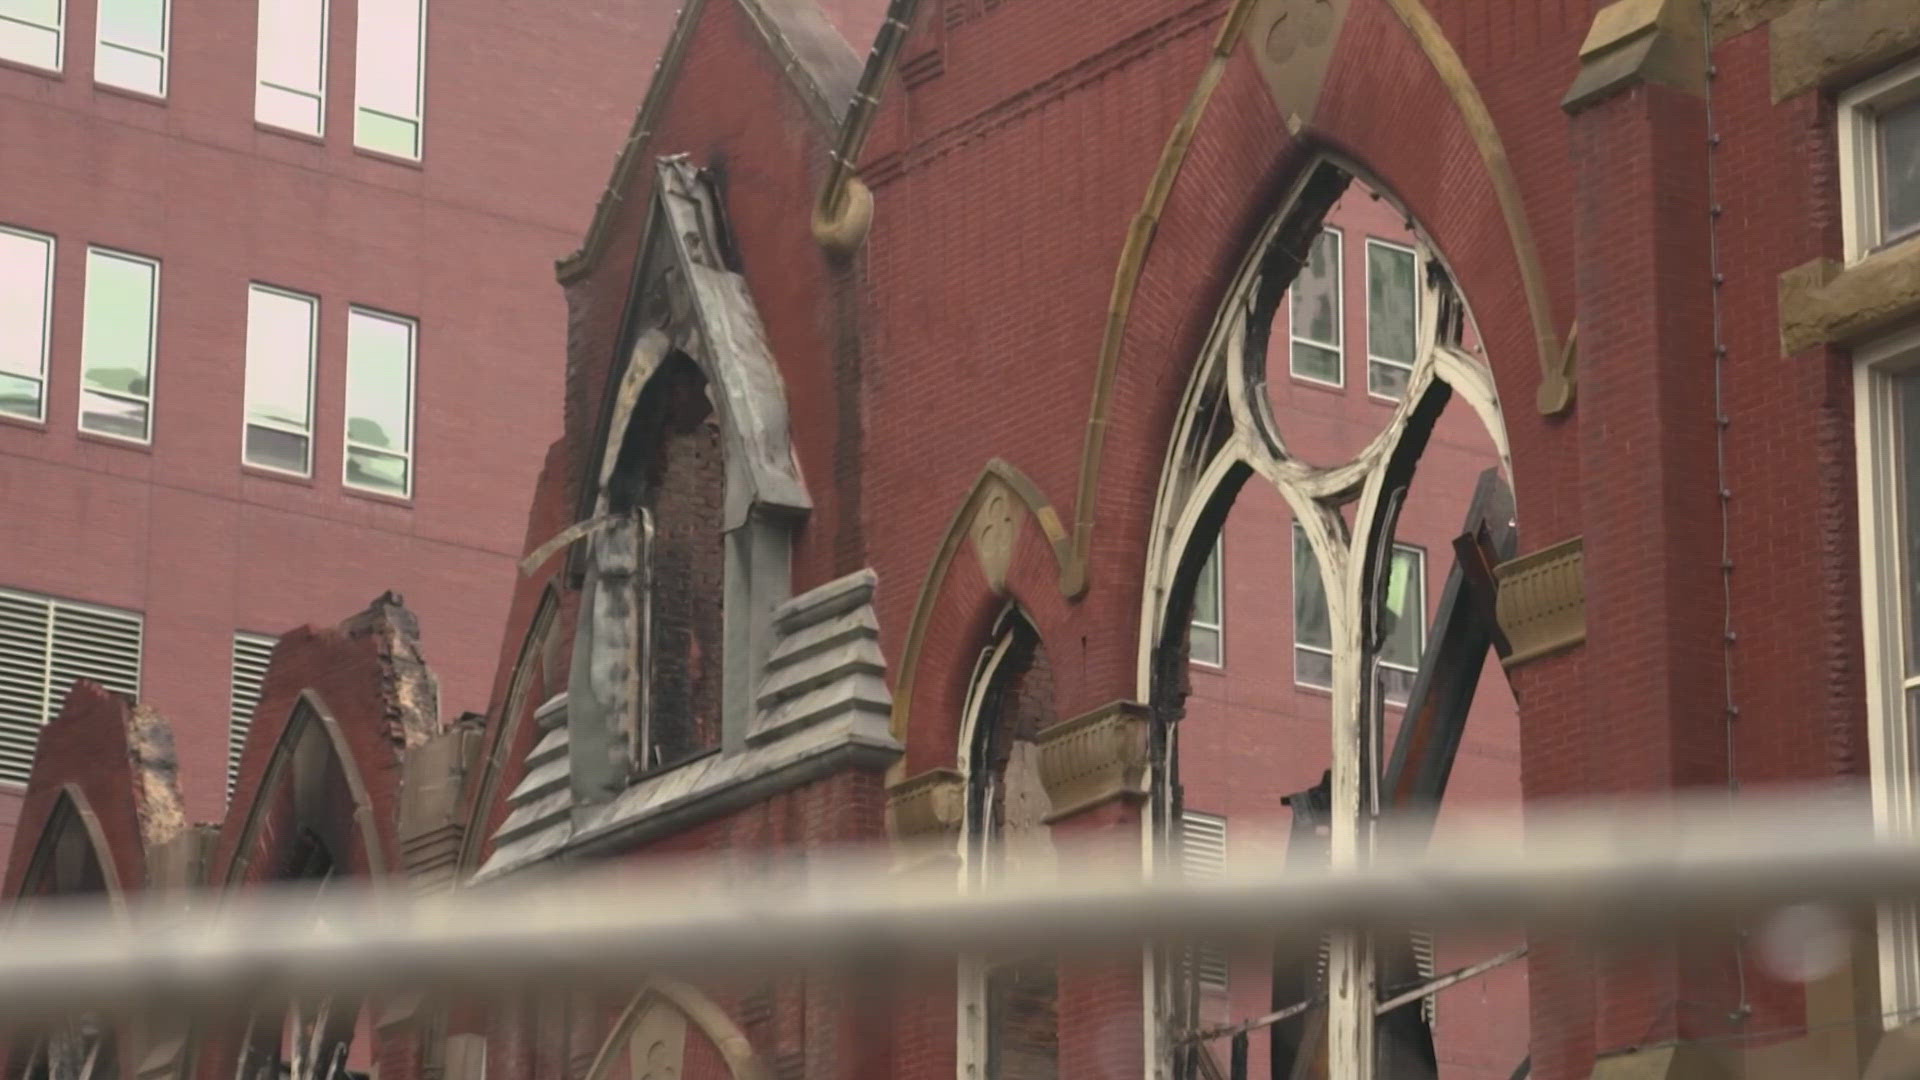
column 653, row 1027
column 310, row 741
column 685, row 301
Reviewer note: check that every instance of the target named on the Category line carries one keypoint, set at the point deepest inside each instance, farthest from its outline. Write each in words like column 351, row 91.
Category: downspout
column 845, row 209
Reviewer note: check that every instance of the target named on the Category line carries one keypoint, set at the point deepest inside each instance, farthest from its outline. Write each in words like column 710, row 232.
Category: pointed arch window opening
column 1347, row 516
column 307, row 1038
column 1008, row 1006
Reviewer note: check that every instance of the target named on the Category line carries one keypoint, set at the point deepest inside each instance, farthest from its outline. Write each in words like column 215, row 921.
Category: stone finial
column 1095, row 757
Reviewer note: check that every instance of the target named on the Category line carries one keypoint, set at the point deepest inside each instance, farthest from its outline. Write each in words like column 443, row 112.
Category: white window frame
column 419, row 119
column 1297, row 537
column 413, row 407
column 1420, row 607
column 101, row 43
column 46, row 316
column 317, row 95
column 1860, row 157
column 1891, row 743
column 1219, row 627
column 1372, row 359
column 313, row 355
column 153, row 350
column 1339, row 347
column 59, row 31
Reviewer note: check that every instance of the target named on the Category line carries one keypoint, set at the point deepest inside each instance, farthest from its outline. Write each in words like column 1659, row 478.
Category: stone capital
column 1542, row 603
column 1096, row 757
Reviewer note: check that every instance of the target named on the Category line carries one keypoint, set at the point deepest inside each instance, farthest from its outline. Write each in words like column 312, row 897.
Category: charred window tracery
column 670, row 482
column 1391, row 678
column 1014, row 1001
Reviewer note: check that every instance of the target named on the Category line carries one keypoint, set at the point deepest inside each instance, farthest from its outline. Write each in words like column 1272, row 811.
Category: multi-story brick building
column 277, row 278
column 904, row 405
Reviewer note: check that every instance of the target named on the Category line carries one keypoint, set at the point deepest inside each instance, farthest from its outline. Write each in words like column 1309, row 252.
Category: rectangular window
column 1887, row 447
column 390, row 77
column 1406, row 606
column 380, row 354
column 251, row 652
column 1880, row 161
column 45, row 644
column 1203, row 857
column 1314, row 320
column 1312, row 636
column 26, row 316
column 131, row 51
column 1392, row 327
column 280, row 349
column 1406, row 630
column 32, row 32
column 1205, row 637
column 290, row 90
column 117, row 344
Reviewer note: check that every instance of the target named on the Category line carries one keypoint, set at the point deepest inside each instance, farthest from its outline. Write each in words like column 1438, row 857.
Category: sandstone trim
column 1542, row 604
column 1833, row 41
column 1822, row 303
column 1640, row 41
column 1095, row 757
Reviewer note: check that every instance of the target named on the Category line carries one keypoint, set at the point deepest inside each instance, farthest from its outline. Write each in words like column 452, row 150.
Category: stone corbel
column 1542, row 602
column 924, row 815
column 1095, row 757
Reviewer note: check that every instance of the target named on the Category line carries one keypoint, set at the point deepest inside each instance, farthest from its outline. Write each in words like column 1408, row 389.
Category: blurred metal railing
column 1613, row 871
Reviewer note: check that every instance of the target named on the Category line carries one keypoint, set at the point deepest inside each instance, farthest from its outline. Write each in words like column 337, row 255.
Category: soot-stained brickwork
column 984, row 330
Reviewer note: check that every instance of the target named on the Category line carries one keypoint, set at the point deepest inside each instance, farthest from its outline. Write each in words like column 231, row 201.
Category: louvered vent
column 45, row 644
column 1203, row 856
column 250, row 655
column 1423, row 965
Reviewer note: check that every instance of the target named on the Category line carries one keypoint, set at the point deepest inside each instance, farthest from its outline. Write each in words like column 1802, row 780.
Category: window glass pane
column 1907, row 392
column 292, row 64
column 379, row 406
column 134, row 70
column 117, row 342
column 111, row 415
column 1390, row 303
column 21, row 397
column 30, row 32
column 1203, row 644
column 1387, row 380
column 1899, row 131
column 136, row 24
column 381, row 472
column 400, row 138
column 279, row 358
column 1206, row 591
column 1309, row 597
column 276, row 449
column 25, row 265
column 387, row 75
column 1406, row 609
column 133, row 44
column 1316, row 293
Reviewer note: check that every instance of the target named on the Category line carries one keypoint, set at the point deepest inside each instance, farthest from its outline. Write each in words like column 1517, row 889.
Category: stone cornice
column 1542, row 604
column 1095, row 757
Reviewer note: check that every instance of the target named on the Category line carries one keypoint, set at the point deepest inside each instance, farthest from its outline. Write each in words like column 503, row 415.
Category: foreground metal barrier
column 1616, row 871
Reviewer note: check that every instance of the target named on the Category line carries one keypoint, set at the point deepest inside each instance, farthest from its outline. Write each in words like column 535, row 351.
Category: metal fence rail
column 1597, row 870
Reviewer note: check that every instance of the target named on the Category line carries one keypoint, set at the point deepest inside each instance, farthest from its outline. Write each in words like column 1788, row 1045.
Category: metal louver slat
column 251, row 653
column 45, row 644
column 1203, row 855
